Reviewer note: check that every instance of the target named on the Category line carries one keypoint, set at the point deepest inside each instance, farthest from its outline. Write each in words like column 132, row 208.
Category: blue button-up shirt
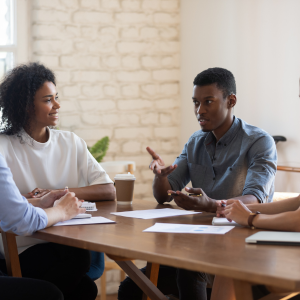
column 242, row 162
column 16, row 214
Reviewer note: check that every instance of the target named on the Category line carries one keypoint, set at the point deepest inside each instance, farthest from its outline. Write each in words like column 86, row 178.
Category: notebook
column 89, row 206
column 275, row 238
column 223, row 221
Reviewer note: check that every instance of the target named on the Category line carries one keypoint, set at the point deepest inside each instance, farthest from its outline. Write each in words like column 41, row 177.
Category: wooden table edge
column 242, row 275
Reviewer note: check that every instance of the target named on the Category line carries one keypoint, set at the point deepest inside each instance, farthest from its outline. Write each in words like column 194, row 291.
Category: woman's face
column 46, row 105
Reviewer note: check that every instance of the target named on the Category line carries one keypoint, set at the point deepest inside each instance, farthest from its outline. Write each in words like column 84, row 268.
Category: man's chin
column 205, row 129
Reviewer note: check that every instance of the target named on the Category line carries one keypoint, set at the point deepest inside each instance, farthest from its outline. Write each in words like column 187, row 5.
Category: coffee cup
column 124, row 187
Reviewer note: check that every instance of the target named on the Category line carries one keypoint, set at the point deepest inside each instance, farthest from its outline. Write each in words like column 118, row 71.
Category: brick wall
column 117, row 67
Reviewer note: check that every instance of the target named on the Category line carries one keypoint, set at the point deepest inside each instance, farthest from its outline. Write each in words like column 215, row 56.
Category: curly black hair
column 17, row 91
column 223, row 78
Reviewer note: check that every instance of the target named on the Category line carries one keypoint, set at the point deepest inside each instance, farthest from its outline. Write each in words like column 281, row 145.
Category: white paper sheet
column 92, row 220
column 154, row 213
column 185, row 228
column 223, row 222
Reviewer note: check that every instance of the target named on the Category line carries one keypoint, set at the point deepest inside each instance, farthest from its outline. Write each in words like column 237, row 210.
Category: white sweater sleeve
column 88, row 166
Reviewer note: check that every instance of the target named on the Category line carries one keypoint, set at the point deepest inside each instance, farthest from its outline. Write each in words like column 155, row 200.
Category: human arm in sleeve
column 93, row 182
column 261, row 171
column 98, row 184
column 21, row 217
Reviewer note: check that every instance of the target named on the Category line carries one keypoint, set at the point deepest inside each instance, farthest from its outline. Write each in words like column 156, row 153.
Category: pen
column 198, row 195
column 223, row 205
column 66, row 188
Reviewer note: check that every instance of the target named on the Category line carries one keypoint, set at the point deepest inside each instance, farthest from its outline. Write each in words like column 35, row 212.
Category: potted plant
column 98, row 150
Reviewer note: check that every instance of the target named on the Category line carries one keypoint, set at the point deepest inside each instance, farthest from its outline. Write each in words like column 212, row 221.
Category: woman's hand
column 221, row 204
column 237, row 211
column 37, row 193
column 50, row 198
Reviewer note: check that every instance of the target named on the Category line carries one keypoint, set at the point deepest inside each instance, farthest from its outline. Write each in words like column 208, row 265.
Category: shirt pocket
column 197, row 174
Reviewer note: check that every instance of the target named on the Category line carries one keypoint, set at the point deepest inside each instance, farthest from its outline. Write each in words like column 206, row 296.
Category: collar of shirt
column 226, row 138
column 33, row 143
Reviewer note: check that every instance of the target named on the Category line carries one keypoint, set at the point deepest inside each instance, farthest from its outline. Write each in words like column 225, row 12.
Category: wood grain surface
column 226, row 255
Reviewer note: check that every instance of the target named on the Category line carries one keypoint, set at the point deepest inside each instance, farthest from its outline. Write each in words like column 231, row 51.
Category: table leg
column 141, row 280
column 242, row 290
column 152, row 271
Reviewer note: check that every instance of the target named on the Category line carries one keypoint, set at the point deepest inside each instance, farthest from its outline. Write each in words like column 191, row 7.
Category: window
column 14, row 20
column 7, row 36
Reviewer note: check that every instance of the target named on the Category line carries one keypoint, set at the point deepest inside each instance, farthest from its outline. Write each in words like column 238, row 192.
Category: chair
column 11, row 254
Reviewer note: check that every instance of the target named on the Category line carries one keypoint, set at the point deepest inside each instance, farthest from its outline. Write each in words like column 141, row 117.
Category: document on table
column 223, row 222
column 185, row 228
column 154, row 213
column 92, row 220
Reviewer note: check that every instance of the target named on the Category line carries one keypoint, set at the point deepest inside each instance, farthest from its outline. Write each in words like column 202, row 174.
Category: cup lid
column 127, row 176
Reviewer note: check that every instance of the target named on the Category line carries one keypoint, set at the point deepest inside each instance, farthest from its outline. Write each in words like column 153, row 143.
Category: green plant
column 99, row 149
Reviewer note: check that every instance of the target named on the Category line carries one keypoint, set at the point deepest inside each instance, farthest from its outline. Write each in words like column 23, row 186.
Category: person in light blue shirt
column 42, row 261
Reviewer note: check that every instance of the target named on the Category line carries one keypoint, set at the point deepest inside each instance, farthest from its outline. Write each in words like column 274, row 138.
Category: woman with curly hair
column 44, row 159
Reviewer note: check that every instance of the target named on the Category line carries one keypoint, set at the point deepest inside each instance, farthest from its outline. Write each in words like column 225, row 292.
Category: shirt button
column 214, row 178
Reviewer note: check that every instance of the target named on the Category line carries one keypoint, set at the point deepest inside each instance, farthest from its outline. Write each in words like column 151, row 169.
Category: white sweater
column 63, row 160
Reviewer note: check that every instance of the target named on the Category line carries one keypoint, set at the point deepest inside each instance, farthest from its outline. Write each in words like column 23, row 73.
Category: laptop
column 275, row 238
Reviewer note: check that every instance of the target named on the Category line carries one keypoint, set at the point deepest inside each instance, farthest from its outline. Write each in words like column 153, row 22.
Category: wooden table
column 225, row 255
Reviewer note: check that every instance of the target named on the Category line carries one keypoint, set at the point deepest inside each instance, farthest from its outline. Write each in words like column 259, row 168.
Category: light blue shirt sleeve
column 16, row 214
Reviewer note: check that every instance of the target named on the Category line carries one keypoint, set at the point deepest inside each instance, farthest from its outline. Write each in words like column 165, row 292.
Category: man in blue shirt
column 227, row 158
column 42, row 261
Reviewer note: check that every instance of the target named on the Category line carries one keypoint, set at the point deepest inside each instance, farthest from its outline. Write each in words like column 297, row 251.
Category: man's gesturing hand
column 199, row 202
column 158, row 166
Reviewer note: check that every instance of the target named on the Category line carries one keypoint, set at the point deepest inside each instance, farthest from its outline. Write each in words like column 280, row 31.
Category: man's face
column 211, row 109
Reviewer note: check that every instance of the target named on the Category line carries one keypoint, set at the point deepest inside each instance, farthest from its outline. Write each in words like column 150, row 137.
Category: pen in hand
column 197, row 195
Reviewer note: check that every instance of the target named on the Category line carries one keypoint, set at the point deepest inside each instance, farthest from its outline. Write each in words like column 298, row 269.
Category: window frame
column 20, row 46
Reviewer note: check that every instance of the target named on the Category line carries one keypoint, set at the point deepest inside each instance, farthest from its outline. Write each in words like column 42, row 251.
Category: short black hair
column 17, row 91
column 223, row 78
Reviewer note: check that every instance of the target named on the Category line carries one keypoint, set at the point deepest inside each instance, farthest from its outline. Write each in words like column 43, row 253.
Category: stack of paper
column 154, row 213
column 184, row 228
column 89, row 206
column 92, row 220
column 223, row 222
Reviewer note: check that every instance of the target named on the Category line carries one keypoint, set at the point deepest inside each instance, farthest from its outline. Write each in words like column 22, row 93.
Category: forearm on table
column 286, row 221
column 35, row 201
column 95, row 192
column 277, row 207
column 160, row 189
column 247, row 199
column 55, row 215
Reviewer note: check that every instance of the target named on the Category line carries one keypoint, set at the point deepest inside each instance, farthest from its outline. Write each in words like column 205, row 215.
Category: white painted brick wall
column 117, row 69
